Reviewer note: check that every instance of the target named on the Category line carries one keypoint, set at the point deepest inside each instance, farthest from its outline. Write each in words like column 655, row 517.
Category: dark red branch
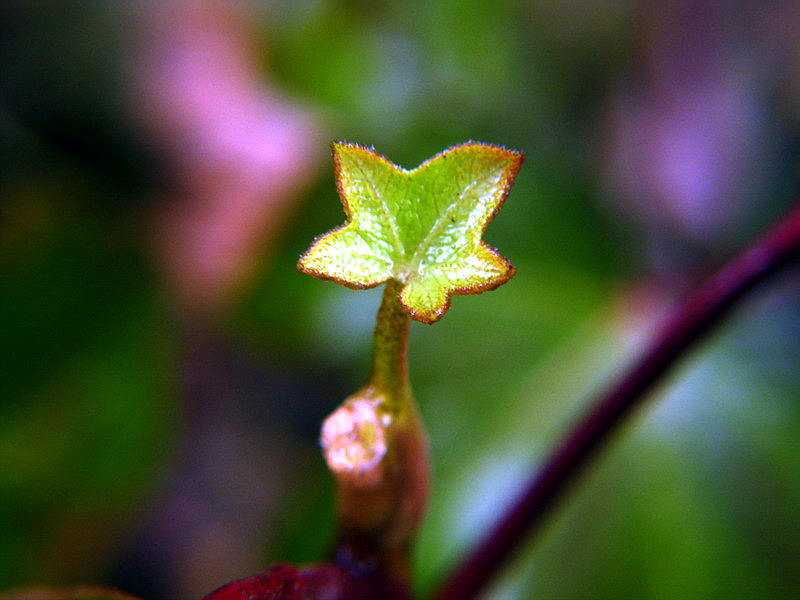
column 689, row 323
column 315, row 582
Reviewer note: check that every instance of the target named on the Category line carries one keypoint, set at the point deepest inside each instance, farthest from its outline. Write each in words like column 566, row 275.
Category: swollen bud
column 354, row 439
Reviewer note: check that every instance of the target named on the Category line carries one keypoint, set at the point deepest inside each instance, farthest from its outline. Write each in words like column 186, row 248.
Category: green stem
column 389, row 360
column 376, row 447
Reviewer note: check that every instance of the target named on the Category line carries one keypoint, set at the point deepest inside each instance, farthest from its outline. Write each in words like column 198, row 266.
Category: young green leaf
column 421, row 228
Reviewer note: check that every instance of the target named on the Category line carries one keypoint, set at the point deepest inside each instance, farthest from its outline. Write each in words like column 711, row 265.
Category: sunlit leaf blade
column 421, row 227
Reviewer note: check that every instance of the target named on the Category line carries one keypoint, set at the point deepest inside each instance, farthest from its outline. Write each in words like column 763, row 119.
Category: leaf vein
column 379, row 199
column 438, row 227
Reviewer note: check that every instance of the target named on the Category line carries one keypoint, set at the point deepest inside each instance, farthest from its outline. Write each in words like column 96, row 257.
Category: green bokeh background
column 697, row 498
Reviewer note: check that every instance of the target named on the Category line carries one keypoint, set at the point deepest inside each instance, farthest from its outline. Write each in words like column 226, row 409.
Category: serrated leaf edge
column 509, row 176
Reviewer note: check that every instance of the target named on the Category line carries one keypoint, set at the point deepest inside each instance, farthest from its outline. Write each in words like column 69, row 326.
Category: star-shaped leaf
column 421, row 227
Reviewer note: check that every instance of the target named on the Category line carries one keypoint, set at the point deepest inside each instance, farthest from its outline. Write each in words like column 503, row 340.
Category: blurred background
column 165, row 370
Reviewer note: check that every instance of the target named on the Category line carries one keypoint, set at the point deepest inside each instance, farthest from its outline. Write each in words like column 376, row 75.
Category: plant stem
column 389, row 359
column 376, row 447
column 688, row 324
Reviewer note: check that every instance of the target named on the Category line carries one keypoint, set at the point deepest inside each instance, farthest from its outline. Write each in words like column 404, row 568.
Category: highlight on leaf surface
column 421, row 227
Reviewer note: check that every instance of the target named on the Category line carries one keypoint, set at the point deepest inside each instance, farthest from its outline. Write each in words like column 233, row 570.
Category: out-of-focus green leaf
column 421, row 227
column 85, row 396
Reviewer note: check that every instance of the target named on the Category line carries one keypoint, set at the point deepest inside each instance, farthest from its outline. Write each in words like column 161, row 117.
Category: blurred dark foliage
column 164, row 368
